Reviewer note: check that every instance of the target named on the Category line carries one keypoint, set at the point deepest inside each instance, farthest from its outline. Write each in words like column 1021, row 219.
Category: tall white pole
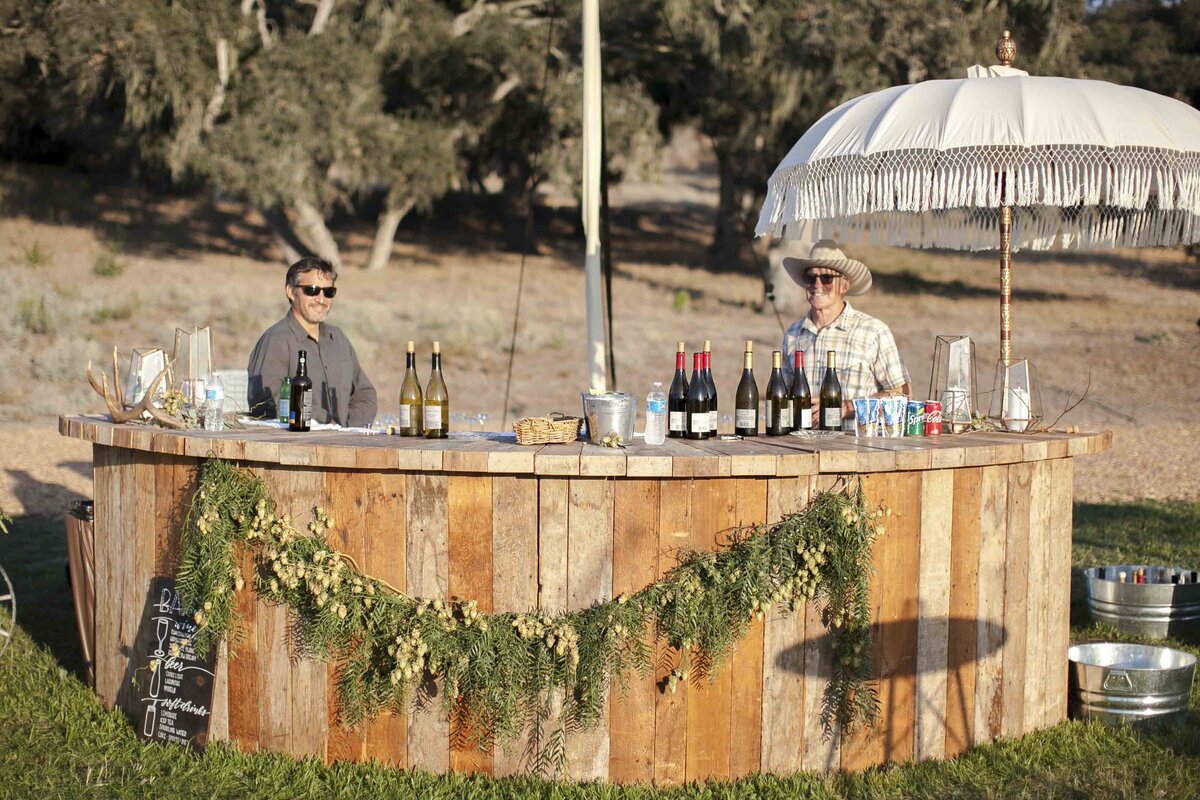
column 592, row 164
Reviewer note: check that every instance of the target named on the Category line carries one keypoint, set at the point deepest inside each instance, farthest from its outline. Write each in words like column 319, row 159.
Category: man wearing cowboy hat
column 868, row 362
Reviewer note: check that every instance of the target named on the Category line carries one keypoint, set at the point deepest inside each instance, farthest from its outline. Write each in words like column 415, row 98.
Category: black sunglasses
column 826, row 280
column 313, row 291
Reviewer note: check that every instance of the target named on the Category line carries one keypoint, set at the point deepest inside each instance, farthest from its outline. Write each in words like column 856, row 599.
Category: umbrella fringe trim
column 1081, row 197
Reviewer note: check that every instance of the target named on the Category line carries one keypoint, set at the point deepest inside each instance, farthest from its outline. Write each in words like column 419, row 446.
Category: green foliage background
column 390, row 104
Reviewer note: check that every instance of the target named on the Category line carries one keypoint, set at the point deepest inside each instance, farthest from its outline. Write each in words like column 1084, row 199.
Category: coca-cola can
column 933, row 418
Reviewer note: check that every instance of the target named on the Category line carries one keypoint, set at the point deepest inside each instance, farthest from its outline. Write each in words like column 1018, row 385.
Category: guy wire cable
column 527, row 230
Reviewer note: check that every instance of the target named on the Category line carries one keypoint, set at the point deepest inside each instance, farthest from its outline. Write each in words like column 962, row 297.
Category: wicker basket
column 554, row 429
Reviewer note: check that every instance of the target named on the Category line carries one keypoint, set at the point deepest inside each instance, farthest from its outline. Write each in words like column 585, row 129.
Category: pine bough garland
column 499, row 675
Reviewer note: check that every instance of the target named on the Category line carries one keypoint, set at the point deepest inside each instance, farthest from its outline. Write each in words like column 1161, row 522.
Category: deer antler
column 116, row 408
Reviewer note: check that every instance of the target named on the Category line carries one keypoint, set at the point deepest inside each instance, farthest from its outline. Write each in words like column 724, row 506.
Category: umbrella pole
column 1005, row 283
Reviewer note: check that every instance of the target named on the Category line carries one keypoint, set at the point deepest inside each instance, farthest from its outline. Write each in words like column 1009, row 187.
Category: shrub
column 107, row 265
column 34, row 316
column 34, row 258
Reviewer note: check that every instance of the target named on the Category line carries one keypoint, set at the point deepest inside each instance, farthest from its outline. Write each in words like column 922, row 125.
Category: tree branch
column 218, row 99
column 324, row 10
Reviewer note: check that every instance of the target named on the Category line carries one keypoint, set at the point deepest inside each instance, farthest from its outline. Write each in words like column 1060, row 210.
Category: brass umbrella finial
column 1006, row 50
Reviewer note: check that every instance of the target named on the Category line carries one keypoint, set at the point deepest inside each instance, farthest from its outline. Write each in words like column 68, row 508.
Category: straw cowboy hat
column 826, row 253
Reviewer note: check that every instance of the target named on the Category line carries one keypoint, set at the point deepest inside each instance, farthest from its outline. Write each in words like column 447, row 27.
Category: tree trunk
column 285, row 238
column 310, row 225
column 518, row 212
column 385, row 233
column 729, row 237
column 324, row 10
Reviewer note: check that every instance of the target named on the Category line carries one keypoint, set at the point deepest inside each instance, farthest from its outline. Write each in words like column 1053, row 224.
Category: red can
column 933, row 418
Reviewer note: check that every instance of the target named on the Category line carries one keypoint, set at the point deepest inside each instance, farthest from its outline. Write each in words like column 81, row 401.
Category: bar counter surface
column 971, row 613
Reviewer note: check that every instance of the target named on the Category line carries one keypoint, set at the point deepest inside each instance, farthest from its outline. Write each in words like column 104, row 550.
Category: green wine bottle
column 437, row 400
column 410, row 396
column 831, row 396
column 745, row 420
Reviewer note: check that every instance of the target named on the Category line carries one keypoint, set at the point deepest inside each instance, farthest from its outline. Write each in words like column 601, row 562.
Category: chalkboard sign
column 168, row 694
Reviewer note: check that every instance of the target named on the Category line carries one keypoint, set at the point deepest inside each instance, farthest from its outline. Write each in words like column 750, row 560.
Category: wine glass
column 482, row 419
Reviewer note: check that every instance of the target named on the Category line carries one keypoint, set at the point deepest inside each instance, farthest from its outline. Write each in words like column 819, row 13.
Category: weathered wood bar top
column 971, row 618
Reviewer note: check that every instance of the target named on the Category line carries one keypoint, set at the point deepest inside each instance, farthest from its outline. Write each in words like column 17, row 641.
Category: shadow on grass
column 34, row 554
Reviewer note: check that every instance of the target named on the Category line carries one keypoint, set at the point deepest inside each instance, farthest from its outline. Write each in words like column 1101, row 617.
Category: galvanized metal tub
column 610, row 413
column 1143, row 609
column 1129, row 683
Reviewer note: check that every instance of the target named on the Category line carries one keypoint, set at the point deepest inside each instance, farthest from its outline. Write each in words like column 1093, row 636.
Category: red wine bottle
column 677, row 398
column 713, row 419
column 801, row 397
column 697, row 401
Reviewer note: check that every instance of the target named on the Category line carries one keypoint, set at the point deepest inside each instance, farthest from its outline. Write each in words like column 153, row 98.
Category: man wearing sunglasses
column 868, row 362
column 342, row 393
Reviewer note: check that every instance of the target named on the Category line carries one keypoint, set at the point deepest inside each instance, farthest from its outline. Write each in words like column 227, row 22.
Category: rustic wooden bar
column 970, row 615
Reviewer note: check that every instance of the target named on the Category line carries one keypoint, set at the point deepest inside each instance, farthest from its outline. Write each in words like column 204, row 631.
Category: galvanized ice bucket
column 1143, row 609
column 1129, row 683
column 608, row 413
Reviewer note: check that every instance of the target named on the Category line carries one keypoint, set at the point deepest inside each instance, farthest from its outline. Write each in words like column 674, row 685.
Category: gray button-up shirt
column 342, row 393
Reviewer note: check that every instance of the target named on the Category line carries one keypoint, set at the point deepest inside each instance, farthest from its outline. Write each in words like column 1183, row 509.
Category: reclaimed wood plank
column 245, row 670
column 933, row 622
column 783, row 725
column 992, row 629
column 108, row 526
column 963, row 636
column 631, row 698
column 469, row 547
column 428, row 575
column 746, row 663
column 558, row 459
column 714, row 507
column 553, row 496
column 716, row 461
column 1058, row 634
column 515, row 571
column 385, row 520
column 691, row 461
column 649, row 461
column 900, row 613
column 1016, row 601
column 309, row 676
column 601, row 461
column 589, row 581
column 345, row 495
column 670, row 708
column 1040, row 588
column 553, row 503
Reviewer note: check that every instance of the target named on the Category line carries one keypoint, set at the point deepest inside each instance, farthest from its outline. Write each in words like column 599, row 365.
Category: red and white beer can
column 933, row 418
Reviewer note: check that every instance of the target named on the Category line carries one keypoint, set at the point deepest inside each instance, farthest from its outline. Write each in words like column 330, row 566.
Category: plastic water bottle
column 214, row 405
column 656, row 414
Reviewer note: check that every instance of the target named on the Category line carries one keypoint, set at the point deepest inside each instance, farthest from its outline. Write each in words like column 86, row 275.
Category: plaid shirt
column 867, row 359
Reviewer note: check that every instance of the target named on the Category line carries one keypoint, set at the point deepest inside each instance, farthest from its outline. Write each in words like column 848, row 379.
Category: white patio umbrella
column 944, row 163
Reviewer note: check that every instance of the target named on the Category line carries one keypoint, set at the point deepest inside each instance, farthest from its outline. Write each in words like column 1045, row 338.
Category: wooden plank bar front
column 970, row 636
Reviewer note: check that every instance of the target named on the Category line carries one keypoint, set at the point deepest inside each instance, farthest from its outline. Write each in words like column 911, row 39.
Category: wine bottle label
column 406, row 415
column 678, row 420
column 806, row 418
column 433, row 418
column 769, row 415
column 832, row 418
column 712, row 420
column 785, row 416
column 745, row 418
column 700, row 423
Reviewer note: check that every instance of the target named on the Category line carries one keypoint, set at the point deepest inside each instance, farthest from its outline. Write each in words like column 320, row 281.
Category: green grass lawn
column 56, row 740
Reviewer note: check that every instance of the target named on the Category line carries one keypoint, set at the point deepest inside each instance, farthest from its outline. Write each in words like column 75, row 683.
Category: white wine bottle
column 410, row 396
column 831, row 395
column 778, row 402
column 745, row 419
column 437, row 400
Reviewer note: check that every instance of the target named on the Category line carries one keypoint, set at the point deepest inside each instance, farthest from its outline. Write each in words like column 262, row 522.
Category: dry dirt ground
column 1124, row 322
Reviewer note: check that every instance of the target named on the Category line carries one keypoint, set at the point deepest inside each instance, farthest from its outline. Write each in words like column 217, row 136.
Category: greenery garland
column 502, row 674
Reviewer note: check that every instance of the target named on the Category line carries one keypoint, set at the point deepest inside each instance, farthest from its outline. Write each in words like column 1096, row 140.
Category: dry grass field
column 88, row 267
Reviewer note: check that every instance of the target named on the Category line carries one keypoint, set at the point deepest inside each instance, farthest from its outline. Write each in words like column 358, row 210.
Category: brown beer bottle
column 300, row 409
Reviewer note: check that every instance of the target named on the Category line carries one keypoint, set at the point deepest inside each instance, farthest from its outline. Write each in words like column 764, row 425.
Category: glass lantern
column 1016, row 396
column 193, row 355
column 952, row 380
column 144, row 366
